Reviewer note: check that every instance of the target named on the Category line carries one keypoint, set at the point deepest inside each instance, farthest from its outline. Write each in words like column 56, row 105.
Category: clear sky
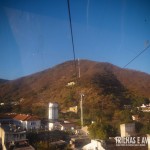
column 35, row 34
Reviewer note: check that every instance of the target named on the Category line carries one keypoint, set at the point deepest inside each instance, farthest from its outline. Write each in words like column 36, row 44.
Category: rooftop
column 24, row 117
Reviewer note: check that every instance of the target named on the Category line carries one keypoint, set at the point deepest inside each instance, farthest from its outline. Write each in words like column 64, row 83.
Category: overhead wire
column 72, row 39
column 137, row 56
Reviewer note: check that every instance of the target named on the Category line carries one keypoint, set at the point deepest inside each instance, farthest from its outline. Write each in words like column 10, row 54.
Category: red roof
column 24, row 117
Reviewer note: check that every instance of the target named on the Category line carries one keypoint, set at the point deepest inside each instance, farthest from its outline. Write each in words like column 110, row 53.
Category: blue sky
column 35, row 34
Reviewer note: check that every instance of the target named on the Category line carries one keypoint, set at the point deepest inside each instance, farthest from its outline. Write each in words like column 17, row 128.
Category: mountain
column 3, row 81
column 98, row 80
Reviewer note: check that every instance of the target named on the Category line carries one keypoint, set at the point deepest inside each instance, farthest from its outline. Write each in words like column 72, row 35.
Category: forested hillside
column 103, row 84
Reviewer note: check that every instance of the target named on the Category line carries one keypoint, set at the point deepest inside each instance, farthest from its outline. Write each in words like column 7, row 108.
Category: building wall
column 31, row 124
column 2, row 136
column 73, row 109
column 8, row 137
column 15, row 136
column 70, row 83
column 127, row 129
column 53, row 111
column 53, row 125
column 95, row 144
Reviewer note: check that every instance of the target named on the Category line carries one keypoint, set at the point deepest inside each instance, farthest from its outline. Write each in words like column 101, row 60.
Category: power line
column 137, row 56
column 74, row 56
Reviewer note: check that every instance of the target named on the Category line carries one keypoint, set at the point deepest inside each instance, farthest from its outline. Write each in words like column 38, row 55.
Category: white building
column 27, row 122
column 53, row 112
column 54, row 125
column 13, row 138
column 53, row 116
column 73, row 109
column 135, row 117
column 94, row 145
column 67, row 126
column 145, row 108
column 71, row 83
column 127, row 129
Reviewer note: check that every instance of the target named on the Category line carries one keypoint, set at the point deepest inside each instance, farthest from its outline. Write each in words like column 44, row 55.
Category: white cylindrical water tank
column 53, row 112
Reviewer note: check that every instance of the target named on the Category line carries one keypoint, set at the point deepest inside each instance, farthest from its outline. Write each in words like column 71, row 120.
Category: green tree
column 126, row 116
column 101, row 131
column 146, row 128
column 6, row 108
column 40, row 111
column 138, row 127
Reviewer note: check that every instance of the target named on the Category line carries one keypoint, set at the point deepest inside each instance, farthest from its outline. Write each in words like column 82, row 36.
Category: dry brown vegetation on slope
column 50, row 85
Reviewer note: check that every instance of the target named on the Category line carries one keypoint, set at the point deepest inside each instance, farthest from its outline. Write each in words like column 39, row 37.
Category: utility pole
column 81, row 107
column 79, row 68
